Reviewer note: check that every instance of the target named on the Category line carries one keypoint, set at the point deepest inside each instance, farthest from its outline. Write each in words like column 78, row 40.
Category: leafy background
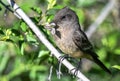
column 24, row 58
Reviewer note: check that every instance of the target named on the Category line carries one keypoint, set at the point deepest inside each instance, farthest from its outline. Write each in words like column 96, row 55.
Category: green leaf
column 116, row 66
column 37, row 9
column 22, row 48
column 51, row 3
column 86, row 2
column 112, row 40
column 81, row 15
column 117, row 51
column 8, row 32
column 3, row 63
column 4, row 38
column 31, row 38
column 35, row 69
column 105, row 41
column 102, row 53
column 23, row 26
column 43, row 53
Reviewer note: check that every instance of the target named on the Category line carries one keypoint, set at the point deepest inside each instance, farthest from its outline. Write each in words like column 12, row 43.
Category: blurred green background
column 24, row 58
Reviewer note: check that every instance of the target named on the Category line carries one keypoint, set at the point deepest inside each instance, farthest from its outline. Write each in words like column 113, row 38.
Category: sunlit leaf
column 43, row 53
column 116, row 66
column 31, row 38
column 4, row 38
column 101, row 53
column 81, row 15
column 112, row 40
column 105, row 41
column 23, row 26
column 8, row 32
column 37, row 9
column 51, row 3
column 22, row 48
column 117, row 51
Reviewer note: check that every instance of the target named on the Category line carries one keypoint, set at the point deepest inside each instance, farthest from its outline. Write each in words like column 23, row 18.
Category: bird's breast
column 63, row 40
column 66, row 44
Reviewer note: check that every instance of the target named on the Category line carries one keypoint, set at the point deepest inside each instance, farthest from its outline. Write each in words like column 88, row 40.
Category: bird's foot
column 75, row 71
column 66, row 56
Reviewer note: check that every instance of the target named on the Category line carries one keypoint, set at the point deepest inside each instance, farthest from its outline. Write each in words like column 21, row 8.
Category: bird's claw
column 75, row 71
column 61, row 58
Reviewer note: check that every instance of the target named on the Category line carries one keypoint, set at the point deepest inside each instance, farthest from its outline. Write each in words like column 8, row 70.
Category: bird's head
column 65, row 17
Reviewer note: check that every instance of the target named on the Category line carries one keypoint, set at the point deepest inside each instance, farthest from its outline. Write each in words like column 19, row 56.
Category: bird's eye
column 63, row 17
column 66, row 17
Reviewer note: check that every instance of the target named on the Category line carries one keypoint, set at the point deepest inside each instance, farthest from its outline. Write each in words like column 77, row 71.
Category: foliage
column 23, row 57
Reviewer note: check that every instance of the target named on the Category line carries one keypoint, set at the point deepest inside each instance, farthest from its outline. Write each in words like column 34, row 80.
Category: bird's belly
column 67, row 46
column 64, row 41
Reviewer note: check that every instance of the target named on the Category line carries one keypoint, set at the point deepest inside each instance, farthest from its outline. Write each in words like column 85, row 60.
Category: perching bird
column 71, row 39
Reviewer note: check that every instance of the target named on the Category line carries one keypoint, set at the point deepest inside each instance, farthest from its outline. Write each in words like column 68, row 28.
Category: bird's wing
column 81, row 40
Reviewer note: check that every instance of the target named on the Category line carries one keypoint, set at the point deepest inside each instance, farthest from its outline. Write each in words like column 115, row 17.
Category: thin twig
column 59, row 73
column 104, row 13
column 50, row 74
column 6, row 6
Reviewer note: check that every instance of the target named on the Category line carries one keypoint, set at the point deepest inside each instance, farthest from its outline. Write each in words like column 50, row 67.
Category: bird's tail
column 97, row 61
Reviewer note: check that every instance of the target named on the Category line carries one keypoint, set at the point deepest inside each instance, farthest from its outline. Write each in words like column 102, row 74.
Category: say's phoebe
column 71, row 39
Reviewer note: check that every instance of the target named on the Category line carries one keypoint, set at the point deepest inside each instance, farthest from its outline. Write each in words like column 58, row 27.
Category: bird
column 71, row 39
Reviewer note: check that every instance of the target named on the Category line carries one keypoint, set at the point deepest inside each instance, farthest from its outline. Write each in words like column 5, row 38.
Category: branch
column 104, row 13
column 7, row 7
column 42, row 38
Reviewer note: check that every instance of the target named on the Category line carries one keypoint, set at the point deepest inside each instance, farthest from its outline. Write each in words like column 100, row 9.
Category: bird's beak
column 50, row 25
column 53, row 23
